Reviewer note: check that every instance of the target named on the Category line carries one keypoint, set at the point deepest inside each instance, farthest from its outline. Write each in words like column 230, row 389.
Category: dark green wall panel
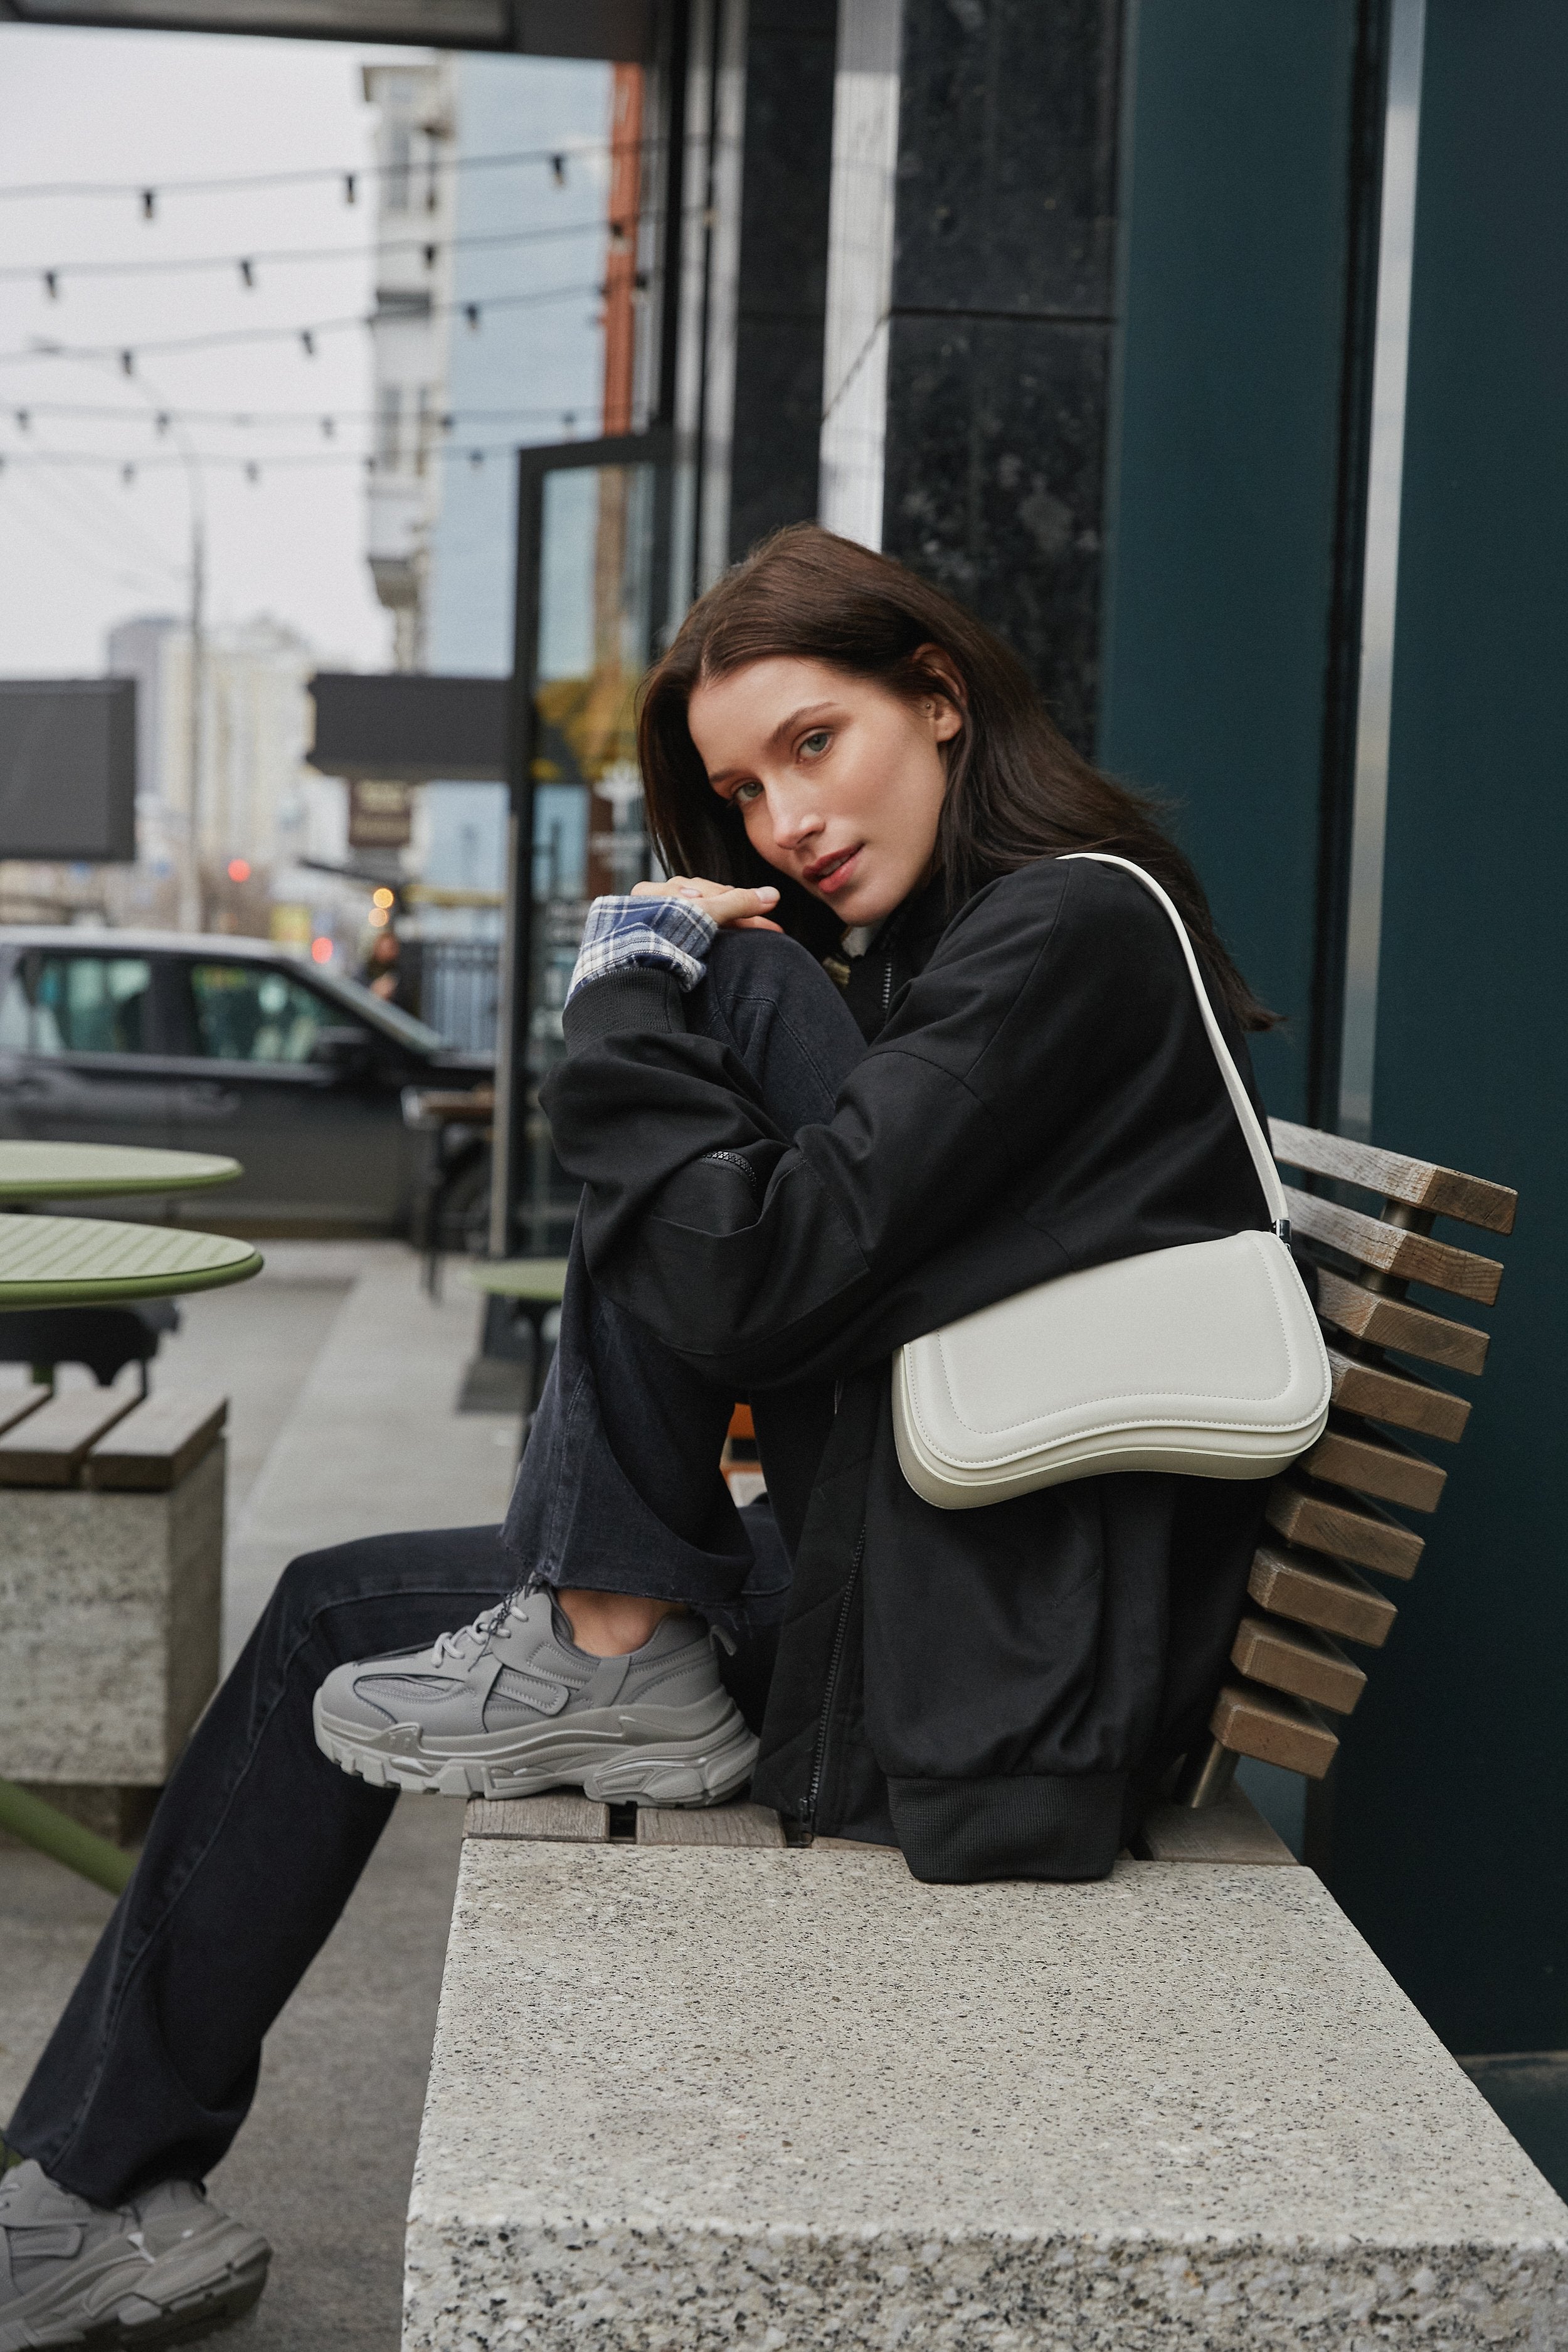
column 1450, row 1815
column 1235, row 163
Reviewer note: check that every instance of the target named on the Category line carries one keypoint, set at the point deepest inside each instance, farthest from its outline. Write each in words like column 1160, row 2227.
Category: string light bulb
column 247, row 273
column 149, row 203
column 307, row 343
column 558, row 169
column 351, row 188
column 52, row 284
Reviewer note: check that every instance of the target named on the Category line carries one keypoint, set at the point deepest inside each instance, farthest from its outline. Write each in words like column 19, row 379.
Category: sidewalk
column 342, row 1379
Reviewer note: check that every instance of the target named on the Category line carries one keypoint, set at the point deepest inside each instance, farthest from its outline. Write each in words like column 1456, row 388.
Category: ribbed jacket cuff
column 1041, row 1826
column 637, row 998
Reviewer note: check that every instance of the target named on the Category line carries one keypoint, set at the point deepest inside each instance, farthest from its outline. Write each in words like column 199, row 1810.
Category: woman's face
column 839, row 784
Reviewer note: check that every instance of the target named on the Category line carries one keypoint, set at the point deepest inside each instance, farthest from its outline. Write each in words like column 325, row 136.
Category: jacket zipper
column 887, row 986
column 830, row 1691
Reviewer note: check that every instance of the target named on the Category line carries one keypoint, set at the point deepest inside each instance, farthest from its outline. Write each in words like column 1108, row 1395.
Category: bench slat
column 1273, row 1728
column 1231, row 1830
column 157, row 1442
column 1383, row 1394
column 756, row 1826
column 1314, row 1592
column 1394, row 1323
column 49, row 1443
column 1324, row 1520
column 1295, row 1659
column 1420, row 1183
column 20, row 1402
column 1354, row 1456
column 1395, row 1249
column 559, row 1816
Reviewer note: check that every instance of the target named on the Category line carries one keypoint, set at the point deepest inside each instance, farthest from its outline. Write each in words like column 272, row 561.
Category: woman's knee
column 766, row 963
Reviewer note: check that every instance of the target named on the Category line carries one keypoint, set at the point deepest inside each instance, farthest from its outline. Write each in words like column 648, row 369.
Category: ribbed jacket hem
column 956, row 1832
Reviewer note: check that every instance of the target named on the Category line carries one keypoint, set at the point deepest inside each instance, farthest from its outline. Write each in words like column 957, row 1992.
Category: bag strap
column 1257, row 1142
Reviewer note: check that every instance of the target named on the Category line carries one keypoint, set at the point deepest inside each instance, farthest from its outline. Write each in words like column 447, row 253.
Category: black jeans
column 257, row 1841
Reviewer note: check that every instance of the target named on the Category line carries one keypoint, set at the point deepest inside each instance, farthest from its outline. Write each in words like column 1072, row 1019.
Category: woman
column 872, row 1059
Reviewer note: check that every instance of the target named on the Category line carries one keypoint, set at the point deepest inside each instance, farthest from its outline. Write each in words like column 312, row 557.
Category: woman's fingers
column 729, row 906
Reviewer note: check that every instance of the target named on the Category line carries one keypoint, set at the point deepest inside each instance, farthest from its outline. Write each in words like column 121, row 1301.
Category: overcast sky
column 79, row 549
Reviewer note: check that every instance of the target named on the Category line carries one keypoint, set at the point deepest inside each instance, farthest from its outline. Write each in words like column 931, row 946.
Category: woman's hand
column 732, row 909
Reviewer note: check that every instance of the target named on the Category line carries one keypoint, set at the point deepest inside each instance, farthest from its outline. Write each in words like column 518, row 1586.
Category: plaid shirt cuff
column 666, row 934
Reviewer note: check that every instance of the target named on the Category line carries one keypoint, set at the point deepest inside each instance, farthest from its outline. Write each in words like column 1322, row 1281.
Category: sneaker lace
column 467, row 1641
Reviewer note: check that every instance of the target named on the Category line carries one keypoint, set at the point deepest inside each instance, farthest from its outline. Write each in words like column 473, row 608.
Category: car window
column 247, row 1012
column 58, row 1004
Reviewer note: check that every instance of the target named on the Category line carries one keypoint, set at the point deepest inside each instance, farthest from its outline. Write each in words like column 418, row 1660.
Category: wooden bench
column 1335, row 1522
column 111, row 1525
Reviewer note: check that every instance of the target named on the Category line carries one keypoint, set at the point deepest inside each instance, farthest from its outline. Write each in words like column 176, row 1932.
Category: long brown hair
column 1016, row 789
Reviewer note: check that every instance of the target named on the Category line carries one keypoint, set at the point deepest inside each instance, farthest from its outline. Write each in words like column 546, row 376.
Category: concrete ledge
column 681, row 2099
column 110, row 1603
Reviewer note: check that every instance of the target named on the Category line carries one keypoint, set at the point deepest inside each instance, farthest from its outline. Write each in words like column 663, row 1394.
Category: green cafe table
column 76, row 1172
column 534, row 1286
column 92, row 1261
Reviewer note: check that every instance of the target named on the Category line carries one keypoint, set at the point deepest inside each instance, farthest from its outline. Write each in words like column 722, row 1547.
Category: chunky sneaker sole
column 130, row 2295
column 611, row 1756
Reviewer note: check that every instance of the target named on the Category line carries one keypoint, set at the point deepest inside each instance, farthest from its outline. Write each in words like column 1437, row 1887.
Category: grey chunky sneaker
column 164, row 2268
column 509, row 1706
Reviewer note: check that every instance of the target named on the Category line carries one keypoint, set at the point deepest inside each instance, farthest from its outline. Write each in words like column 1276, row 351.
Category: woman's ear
column 946, row 702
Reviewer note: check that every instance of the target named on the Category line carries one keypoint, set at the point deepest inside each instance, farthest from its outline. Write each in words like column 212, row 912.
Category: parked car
column 223, row 1044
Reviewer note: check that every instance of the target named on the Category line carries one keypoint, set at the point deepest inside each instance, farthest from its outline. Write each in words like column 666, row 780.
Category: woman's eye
column 814, row 745
column 744, row 792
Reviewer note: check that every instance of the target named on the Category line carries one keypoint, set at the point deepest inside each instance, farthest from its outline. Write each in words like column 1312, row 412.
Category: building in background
column 236, row 865
column 500, row 343
column 416, row 191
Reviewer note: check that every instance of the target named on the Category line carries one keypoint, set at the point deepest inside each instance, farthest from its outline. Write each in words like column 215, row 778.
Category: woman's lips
column 831, row 873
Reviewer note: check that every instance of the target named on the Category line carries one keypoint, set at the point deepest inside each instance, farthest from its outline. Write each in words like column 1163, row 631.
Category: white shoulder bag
column 1205, row 1359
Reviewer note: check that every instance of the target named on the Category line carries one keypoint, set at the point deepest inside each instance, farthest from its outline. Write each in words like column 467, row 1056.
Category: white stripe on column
column 1380, row 578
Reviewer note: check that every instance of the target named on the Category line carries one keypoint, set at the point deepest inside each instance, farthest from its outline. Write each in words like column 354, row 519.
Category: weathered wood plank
column 1313, row 1591
column 1420, row 1183
column 156, row 1443
column 1359, row 1533
column 1397, row 1398
column 1294, row 1658
column 1394, row 1249
column 1232, row 1831
column 47, row 1448
column 560, row 1816
column 1273, row 1727
column 1384, row 1322
column 710, row 1825
column 1351, row 1454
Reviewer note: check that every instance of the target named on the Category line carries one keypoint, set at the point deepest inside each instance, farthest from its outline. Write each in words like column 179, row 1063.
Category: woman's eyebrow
column 786, row 727
column 775, row 741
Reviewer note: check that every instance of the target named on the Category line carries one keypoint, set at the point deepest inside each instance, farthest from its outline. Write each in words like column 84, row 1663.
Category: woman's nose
column 794, row 821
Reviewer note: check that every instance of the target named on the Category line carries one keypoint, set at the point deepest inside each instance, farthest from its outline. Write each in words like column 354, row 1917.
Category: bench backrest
column 1329, row 1521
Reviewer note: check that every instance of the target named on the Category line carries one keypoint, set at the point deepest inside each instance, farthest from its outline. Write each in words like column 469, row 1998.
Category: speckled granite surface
column 683, row 2099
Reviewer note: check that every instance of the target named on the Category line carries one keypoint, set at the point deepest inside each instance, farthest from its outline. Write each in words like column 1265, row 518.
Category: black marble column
column 999, row 358
column 787, row 170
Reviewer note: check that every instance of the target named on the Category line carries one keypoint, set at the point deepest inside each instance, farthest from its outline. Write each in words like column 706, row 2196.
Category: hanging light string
column 472, row 314
column 350, row 177
column 430, row 248
column 324, row 420
column 48, row 461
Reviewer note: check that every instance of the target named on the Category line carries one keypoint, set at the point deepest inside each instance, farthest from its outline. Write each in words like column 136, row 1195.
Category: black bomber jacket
column 996, row 1690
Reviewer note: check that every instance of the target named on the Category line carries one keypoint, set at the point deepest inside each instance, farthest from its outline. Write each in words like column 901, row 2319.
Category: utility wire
column 348, row 176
